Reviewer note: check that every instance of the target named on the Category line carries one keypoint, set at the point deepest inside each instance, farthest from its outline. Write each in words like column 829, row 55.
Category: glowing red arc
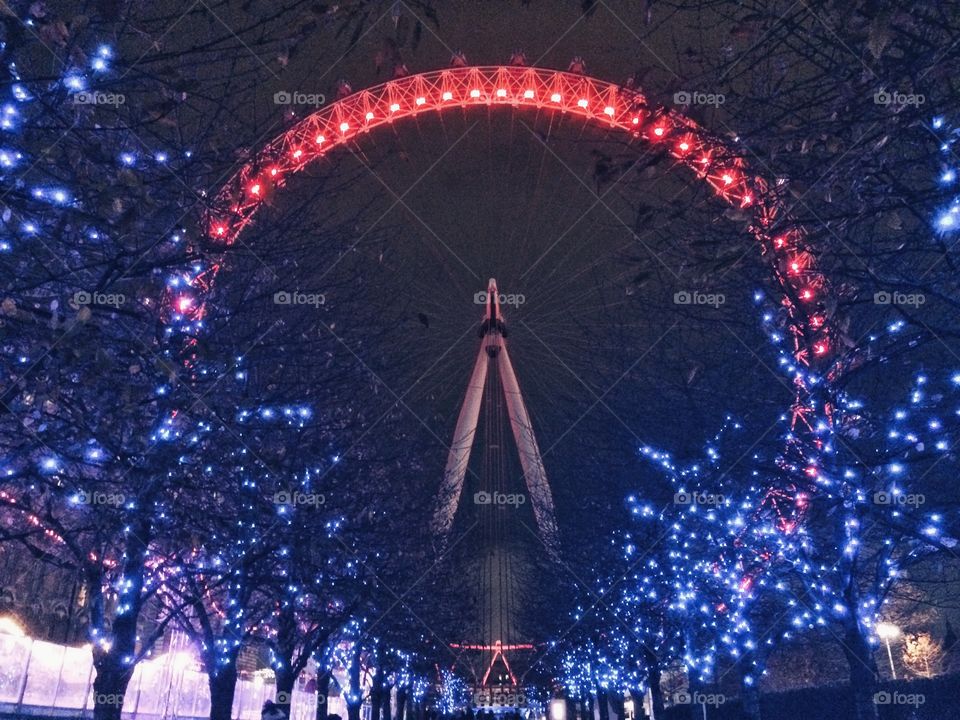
column 606, row 104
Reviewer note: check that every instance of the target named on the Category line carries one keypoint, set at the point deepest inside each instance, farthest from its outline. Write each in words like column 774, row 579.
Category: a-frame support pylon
column 493, row 346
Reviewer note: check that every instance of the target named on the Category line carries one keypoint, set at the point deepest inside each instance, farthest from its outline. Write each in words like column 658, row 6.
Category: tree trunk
column 694, row 685
column 619, row 707
column 653, row 682
column 696, row 704
column 323, row 695
column 385, row 692
column 571, row 704
column 863, row 674
column 354, row 695
column 113, row 674
column 284, row 646
column 749, row 696
column 285, row 683
column 109, row 686
column 856, row 649
column 583, row 708
column 637, row 697
column 223, row 685
column 401, row 702
column 376, row 695
column 603, row 710
column 656, row 693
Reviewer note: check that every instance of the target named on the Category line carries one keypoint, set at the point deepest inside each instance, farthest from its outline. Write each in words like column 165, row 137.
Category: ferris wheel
column 700, row 157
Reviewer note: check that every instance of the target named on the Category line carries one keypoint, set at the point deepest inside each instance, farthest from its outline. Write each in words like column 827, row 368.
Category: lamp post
column 888, row 632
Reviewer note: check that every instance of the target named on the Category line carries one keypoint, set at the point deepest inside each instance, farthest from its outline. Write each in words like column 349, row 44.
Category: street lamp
column 888, row 632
